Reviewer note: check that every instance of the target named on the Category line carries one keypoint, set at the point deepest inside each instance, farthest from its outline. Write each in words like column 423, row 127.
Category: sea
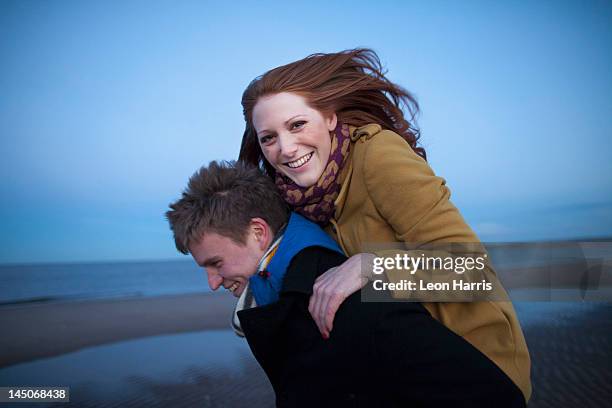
column 55, row 282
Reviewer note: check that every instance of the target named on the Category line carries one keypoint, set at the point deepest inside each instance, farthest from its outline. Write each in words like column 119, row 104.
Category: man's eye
column 298, row 125
column 215, row 264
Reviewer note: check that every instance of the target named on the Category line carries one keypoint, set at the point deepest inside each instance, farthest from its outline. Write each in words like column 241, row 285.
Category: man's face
column 228, row 263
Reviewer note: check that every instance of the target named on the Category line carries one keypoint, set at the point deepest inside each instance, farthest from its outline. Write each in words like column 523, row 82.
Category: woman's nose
column 287, row 144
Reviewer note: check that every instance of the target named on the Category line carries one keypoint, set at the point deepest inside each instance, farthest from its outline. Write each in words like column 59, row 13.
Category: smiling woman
column 297, row 147
column 340, row 141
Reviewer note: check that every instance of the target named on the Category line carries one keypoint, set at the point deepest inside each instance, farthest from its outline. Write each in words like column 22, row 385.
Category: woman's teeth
column 301, row 161
column 233, row 287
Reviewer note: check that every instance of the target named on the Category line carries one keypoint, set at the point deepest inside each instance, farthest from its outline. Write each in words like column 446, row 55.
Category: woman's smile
column 294, row 138
column 296, row 164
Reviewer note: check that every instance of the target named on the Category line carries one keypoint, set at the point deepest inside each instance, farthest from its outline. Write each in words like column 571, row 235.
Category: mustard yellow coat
column 390, row 194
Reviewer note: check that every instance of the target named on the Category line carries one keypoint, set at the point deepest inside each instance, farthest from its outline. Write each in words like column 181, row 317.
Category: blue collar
column 299, row 234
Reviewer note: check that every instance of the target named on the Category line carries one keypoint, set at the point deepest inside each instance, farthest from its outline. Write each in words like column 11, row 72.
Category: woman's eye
column 298, row 125
column 265, row 139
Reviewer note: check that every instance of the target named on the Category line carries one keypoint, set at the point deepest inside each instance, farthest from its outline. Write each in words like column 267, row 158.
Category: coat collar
column 366, row 131
column 360, row 134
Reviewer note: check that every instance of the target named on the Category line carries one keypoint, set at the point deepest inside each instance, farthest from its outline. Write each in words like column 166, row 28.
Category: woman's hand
column 335, row 285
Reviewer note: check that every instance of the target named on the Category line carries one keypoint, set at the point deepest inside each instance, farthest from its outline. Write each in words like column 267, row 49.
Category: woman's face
column 294, row 137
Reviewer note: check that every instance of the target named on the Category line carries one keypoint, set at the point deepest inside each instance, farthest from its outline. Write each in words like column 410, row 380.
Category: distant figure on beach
column 235, row 224
column 340, row 141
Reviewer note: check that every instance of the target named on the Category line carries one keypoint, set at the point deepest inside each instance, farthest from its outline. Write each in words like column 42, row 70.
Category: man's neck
column 271, row 246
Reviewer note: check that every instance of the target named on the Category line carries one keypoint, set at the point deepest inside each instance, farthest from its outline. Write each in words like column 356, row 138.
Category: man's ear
column 261, row 232
column 332, row 121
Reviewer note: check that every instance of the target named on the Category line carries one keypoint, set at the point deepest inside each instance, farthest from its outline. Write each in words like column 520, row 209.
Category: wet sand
column 178, row 351
column 570, row 345
column 32, row 331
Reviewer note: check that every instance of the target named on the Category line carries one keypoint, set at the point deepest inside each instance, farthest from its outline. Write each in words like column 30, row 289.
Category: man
column 235, row 225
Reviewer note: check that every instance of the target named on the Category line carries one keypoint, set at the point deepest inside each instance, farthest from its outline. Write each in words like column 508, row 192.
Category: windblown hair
column 223, row 198
column 350, row 83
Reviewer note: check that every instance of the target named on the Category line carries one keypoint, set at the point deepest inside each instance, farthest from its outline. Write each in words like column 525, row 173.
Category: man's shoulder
column 315, row 258
column 307, row 265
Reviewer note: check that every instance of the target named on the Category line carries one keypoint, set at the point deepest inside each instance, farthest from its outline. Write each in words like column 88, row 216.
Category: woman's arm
column 411, row 199
column 333, row 287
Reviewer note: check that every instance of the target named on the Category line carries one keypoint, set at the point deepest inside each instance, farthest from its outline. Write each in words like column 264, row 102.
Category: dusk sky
column 107, row 108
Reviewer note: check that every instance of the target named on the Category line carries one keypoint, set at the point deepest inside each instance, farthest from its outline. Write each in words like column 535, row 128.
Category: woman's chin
column 303, row 180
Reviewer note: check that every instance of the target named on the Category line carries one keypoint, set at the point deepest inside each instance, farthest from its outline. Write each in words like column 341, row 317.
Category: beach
column 175, row 351
column 50, row 329
column 179, row 351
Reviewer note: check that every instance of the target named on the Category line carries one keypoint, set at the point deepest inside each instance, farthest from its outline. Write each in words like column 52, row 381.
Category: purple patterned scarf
column 317, row 201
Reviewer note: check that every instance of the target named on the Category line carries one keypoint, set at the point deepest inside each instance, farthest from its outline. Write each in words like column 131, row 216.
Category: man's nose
column 214, row 280
column 288, row 145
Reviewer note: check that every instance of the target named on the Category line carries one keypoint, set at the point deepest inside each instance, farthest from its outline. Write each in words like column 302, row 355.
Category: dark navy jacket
column 384, row 354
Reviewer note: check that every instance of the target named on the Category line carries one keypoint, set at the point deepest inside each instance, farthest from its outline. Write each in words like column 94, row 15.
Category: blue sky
column 107, row 108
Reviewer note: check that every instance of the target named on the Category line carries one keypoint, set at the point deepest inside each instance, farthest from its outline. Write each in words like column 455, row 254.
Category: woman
column 330, row 130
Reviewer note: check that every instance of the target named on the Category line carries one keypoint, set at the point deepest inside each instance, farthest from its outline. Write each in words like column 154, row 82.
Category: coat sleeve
column 416, row 204
column 409, row 196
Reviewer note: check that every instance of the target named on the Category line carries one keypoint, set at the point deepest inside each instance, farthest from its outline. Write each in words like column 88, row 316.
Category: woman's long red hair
column 351, row 83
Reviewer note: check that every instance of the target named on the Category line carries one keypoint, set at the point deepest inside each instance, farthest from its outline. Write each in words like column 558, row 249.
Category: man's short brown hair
column 223, row 198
